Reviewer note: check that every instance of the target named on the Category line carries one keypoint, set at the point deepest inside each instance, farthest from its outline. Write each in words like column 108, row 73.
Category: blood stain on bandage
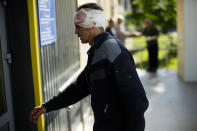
column 80, row 17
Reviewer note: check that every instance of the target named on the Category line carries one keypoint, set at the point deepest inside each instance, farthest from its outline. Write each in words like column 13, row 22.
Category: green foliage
column 167, row 58
column 161, row 12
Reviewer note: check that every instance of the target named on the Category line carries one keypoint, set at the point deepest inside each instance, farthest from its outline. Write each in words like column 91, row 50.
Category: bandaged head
column 89, row 18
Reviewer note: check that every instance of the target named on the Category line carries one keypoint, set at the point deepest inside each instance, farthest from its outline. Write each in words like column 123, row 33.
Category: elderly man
column 117, row 95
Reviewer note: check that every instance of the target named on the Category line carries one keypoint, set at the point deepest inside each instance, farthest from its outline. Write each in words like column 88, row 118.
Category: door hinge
column 8, row 57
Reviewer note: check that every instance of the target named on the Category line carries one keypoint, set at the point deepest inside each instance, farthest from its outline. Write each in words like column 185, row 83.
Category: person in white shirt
column 120, row 33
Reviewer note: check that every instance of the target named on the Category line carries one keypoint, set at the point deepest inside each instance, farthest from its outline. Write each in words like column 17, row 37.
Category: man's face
column 119, row 21
column 147, row 24
column 83, row 33
column 111, row 24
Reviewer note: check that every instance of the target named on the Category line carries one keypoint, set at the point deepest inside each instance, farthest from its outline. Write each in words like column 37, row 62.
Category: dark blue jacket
column 117, row 96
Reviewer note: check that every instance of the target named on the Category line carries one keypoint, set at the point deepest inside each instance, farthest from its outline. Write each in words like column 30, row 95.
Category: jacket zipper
column 106, row 107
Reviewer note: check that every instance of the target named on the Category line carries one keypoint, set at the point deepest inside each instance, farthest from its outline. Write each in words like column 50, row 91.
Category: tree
column 161, row 12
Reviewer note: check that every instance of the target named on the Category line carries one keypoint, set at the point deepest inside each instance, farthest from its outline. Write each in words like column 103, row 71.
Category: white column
column 187, row 39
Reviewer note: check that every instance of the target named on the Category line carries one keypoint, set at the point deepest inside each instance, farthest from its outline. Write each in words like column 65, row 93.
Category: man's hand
column 36, row 113
column 135, row 33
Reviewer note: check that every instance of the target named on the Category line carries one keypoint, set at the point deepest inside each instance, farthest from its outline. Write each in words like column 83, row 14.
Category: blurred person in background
column 120, row 31
column 110, row 28
column 151, row 33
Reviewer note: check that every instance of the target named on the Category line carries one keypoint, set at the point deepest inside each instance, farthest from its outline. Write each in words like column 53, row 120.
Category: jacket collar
column 98, row 41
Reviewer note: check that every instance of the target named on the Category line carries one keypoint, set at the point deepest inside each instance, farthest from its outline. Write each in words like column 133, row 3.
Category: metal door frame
column 7, row 117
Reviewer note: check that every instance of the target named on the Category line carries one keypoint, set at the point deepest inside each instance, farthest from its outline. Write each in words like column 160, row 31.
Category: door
column 6, row 107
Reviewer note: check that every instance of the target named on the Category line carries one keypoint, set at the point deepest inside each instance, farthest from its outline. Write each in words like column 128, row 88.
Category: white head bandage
column 89, row 18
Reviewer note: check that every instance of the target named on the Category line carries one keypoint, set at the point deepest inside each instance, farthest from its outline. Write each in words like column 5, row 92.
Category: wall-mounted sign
column 47, row 22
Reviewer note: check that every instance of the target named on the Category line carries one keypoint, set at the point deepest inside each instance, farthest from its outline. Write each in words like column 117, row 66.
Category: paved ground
column 173, row 104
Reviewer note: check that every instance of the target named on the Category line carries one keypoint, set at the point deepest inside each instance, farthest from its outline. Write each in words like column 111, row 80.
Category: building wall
column 190, row 20
column 59, row 61
column 180, row 24
column 187, row 29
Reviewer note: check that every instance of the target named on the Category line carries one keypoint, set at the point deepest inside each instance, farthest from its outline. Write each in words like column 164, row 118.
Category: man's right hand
column 36, row 113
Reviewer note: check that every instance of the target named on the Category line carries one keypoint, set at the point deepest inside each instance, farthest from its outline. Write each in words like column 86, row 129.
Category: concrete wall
column 180, row 24
column 187, row 39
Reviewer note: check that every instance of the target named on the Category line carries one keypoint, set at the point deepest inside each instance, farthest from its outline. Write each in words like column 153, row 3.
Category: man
column 110, row 28
column 151, row 34
column 121, row 34
column 118, row 99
